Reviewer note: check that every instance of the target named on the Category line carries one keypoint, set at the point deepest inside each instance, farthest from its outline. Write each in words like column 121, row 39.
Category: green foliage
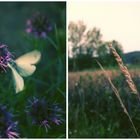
column 49, row 79
column 83, row 61
column 132, row 58
column 94, row 111
column 86, row 45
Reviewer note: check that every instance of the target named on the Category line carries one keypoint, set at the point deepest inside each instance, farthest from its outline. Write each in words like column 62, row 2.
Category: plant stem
column 119, row 98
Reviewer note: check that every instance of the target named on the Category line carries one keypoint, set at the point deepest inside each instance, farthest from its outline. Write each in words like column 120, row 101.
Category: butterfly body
column 22, row 67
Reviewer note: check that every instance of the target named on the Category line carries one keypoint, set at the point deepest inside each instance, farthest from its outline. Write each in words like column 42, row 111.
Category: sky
column 117, row 20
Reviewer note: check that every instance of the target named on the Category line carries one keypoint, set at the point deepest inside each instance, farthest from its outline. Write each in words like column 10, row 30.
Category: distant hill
column 132, row 57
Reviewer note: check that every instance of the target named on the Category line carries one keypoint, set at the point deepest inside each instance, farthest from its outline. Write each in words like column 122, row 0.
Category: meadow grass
column 133, row 88
column 94, row 110
column 91, row 94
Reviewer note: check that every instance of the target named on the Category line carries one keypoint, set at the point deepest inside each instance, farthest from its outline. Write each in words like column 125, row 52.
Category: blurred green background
column 14, row 15
column 49, row 79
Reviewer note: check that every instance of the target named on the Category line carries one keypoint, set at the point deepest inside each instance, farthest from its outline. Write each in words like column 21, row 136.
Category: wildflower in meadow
column 8, row 128
column 44, row 113
column 23, row 66
column 38, row 25
column 5, row 57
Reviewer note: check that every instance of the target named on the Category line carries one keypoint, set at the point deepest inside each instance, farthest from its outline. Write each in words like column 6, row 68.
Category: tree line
column 86, row 46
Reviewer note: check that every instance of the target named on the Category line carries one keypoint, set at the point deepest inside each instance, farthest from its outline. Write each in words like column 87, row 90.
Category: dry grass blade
column 124, row 70
column 119, row 98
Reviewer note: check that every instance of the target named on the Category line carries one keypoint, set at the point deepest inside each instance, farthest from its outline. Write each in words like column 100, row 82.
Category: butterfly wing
column 25, row 63
column 18, row 80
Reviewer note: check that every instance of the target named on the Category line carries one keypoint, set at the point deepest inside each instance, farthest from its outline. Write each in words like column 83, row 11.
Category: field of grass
column 94, row 110
column 49, row 80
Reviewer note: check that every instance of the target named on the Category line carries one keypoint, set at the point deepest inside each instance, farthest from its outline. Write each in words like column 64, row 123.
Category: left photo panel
column 33, row 69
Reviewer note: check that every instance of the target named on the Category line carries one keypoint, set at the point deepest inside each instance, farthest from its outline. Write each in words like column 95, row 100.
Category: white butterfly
column 24, row 66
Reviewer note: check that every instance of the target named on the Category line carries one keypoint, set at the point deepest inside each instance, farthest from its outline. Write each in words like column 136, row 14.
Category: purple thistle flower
column 56, row 121
column 10, row 132
column 7, row 126
column 44, row 113
column 38, row 25
column 5, row 57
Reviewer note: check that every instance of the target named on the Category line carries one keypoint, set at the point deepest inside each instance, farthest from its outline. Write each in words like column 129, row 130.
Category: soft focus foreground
column 94, row 109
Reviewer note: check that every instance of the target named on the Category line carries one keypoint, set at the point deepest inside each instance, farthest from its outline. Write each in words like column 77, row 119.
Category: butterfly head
column 5, row 56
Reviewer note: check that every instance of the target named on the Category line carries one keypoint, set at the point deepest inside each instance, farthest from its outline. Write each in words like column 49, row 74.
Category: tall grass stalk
column 119, row 98
column 125, row 71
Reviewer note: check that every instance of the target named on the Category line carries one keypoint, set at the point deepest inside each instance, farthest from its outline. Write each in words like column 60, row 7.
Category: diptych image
column 82, row 56
column 33, row 70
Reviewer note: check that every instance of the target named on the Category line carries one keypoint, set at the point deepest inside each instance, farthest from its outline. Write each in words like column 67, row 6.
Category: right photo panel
column 104, row 69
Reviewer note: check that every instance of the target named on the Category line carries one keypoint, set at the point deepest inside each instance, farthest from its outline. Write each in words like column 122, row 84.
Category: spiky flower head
column 38, row 25
column 8, row 128
column 5, row 56
column 44, row 113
